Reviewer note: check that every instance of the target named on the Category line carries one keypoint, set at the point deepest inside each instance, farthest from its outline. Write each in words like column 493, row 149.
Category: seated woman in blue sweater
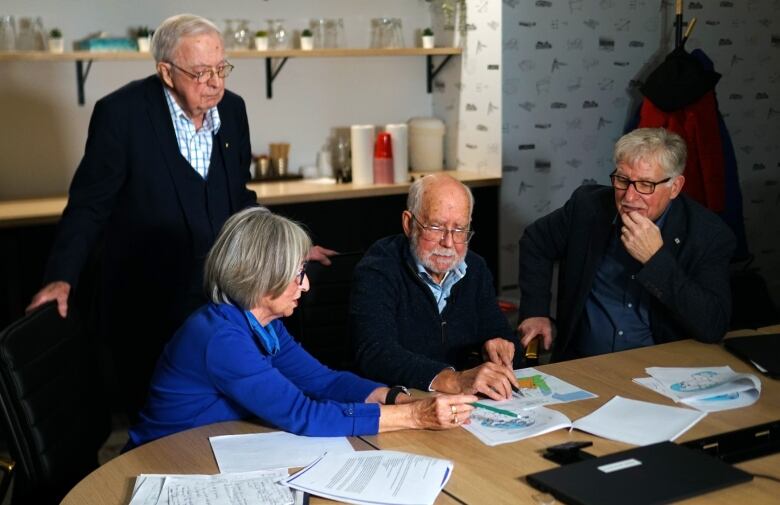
column 233, row 358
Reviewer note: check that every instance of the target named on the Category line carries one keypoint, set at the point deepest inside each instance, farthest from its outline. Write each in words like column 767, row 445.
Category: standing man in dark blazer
column 165, row 164
column 640, row 263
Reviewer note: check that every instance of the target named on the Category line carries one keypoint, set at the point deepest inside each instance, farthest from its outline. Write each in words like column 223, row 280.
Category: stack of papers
column 387, row 477
column 240, row 488
column 708, row 389
column 278, row 449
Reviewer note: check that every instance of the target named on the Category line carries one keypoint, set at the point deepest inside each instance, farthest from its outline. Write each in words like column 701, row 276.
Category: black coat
column 687, row 278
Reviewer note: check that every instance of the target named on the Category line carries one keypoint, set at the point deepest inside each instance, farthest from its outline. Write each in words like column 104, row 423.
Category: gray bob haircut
column 414, row 200
column 257, row 253
column 167, row 36
column 663, row 146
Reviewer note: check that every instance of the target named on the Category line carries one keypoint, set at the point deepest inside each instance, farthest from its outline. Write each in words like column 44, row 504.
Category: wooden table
column 485, row 474
column 495, row 475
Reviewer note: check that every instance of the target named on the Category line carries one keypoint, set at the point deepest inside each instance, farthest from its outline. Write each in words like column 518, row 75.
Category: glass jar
column 241, row 35
column 7, row 33
column 278, row 36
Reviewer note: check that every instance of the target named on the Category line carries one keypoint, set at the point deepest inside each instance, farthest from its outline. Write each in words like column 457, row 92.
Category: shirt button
column 633, row 276
column 620, row 332
column 630, row 305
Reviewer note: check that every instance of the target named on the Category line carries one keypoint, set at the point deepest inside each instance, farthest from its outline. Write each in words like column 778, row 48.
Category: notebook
column 763, row 351
column 641, row 476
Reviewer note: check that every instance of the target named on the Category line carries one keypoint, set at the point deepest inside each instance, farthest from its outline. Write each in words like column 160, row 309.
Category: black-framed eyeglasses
column 437, row 233
column 299, row 277
column 204, row 76
column 643, row 187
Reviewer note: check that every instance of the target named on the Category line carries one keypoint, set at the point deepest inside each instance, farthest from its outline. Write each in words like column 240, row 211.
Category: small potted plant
column 143, row 37
column 56, row 42
column 307, row 41
column 427, row 39
column 261, row 40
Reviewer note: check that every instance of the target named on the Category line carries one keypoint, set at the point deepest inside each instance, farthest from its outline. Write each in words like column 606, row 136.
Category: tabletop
column 485, row 474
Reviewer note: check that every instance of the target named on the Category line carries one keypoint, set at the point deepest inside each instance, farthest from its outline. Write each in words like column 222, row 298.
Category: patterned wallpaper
column 467, row 93
column 570, row 75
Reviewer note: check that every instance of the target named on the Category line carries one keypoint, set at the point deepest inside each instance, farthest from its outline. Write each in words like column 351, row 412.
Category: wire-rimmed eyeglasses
column 642, row 187
column 300, row 275
column 204, row 76
column 434, row 233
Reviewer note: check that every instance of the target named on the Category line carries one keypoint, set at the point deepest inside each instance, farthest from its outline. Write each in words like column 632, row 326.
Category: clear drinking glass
column 40, row 38
column 25, row 36
column 7, row 33
column 278, row 36
column 229, row 34
column 396, row 35
column 241, row 36
column 317, row 27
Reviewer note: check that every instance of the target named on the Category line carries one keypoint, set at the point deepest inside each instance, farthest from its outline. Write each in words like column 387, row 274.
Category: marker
column 494, row 409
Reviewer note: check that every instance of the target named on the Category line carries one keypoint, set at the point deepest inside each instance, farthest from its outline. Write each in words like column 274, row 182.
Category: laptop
column 763, row 351
column 649, row 475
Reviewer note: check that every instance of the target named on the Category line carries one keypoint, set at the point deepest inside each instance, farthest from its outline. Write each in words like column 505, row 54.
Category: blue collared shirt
column 194, row 145
column 617, row 311
column 441, row 291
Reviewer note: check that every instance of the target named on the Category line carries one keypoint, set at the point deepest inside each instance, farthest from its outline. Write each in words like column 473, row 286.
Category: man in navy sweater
column 423, row 308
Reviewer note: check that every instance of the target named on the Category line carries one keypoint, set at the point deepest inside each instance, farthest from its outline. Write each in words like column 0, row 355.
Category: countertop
column 33, row 211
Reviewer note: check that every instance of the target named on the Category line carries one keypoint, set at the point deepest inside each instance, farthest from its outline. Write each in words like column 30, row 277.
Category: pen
column 494, row 409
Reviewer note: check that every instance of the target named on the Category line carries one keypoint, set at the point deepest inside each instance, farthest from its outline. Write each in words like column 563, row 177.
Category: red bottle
column 383, row 159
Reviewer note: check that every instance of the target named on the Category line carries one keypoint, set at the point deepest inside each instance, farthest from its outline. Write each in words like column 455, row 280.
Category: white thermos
column 426, row 144
column 399, row 133
column 362, row 137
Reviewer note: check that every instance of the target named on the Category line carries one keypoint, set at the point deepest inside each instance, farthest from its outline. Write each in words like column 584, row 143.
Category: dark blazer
column 130, row 190
column 688, row 278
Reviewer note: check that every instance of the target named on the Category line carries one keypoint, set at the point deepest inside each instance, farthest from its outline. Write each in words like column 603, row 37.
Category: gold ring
column 453, row 409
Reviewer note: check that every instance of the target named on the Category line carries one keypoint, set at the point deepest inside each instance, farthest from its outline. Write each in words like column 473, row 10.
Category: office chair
column 52, row 405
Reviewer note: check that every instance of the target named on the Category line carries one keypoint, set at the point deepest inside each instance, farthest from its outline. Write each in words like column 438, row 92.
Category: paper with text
column 494, row 429
column 387, row 477
column 233, row 489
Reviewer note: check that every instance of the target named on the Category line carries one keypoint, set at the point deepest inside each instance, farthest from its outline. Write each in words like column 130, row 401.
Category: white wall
column 582, row 51
column 43, row 130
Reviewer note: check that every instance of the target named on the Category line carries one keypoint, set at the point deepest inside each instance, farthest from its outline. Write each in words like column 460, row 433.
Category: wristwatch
column 393, row 393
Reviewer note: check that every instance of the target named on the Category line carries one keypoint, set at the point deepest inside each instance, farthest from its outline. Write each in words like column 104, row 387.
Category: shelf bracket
column 432, row 72
column 81, row 78
column 270, row 75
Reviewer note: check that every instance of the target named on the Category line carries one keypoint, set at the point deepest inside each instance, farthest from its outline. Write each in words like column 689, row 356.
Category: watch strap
column 393, row 393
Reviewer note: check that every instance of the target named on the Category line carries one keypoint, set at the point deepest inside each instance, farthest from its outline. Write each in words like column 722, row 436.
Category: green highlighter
column 494, row 409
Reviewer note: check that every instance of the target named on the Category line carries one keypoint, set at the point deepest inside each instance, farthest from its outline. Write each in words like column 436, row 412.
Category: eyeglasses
column 301, row 275
column 437, row 233
column 642, row 187
column 204, row 76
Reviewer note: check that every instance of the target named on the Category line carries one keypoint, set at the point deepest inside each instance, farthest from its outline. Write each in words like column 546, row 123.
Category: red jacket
column 697, row 124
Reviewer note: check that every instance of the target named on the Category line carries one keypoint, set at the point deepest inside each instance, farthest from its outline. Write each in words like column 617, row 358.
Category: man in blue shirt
column 423, row 308
column 640, row 263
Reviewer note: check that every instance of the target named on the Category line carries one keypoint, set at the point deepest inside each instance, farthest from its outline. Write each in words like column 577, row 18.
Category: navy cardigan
column 397, row 331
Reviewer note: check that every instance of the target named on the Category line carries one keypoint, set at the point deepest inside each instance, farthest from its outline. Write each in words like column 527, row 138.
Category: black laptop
column 653, row 474
column 762, row 351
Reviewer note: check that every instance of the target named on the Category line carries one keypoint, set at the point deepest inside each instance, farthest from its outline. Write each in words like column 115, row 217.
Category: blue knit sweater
column 215, row 369
column 397, row 331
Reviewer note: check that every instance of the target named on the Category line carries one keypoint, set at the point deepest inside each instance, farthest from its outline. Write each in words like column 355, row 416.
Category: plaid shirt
column 194, row 145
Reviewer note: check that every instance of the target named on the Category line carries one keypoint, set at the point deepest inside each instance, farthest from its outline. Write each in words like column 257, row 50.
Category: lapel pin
column 676, row 240
column 227, row 144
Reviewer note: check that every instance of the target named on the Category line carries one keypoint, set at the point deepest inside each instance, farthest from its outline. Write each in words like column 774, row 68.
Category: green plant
column 261, row 33
column 142, row 32
column 306, row 33
column 427, row 32
column 55, row 33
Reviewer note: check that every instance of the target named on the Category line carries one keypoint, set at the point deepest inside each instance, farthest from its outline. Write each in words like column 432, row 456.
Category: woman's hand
column 443, row 411
column 438, row 412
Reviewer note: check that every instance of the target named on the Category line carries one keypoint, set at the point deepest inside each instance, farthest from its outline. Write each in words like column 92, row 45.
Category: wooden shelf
column 274, row 60
column 235, row 54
